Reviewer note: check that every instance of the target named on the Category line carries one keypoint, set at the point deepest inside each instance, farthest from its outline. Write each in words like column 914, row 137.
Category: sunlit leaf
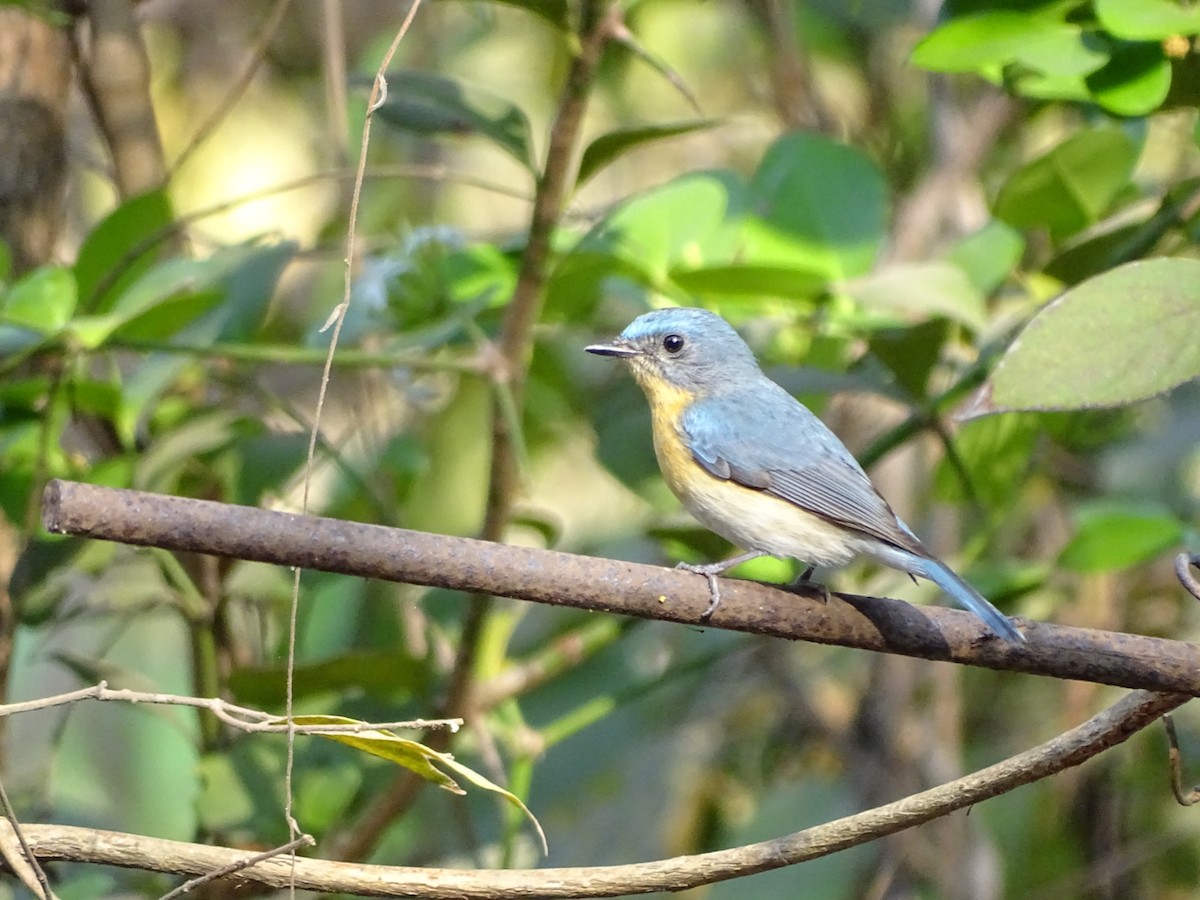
column 817, row 204
column 988, row 255
column 1114, row 339
column 916, row 291
column 43, row 301
column 416, row 757
column 1134, row 82
column 1148, row 20
column 973, row 43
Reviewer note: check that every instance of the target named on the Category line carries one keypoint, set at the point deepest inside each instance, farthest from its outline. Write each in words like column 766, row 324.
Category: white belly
column 758, row 521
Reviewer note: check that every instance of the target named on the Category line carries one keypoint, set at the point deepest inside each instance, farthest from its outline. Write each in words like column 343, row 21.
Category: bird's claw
column 710, row 572
column 805, row 581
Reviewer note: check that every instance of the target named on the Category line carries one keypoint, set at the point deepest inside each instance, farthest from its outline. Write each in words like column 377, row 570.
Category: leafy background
column 881, row 197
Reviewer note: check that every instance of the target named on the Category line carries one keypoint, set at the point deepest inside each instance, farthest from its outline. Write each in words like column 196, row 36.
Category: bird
column 757, row 467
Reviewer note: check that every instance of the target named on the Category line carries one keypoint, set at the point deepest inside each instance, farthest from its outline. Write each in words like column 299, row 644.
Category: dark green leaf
column 606, row 148
column 385, row 674
column 116, row 253
column 1134, row 82
column 553, row 11
column 911, row 353
column 435, row 105
column 1073, row 185
column 1113, row 535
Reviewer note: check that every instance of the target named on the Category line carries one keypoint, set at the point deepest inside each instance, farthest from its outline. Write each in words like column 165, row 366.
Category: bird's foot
column 805, row 581
column 710, row 571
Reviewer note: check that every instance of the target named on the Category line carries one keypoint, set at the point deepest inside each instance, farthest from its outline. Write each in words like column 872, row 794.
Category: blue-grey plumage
column 757, row 467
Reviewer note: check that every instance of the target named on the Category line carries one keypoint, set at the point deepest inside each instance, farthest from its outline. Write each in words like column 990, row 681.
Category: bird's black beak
column 616, row 348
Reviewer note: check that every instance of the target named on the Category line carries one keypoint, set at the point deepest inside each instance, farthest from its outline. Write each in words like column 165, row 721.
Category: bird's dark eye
column 673, row 343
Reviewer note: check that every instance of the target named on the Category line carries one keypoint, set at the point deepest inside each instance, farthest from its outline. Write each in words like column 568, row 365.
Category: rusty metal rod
column 604, row 585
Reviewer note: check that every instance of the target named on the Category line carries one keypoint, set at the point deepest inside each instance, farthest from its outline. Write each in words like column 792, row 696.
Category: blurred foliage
column 179, row 351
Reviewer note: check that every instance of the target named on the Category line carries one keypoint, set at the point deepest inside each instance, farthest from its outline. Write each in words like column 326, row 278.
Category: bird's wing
column 768, row 441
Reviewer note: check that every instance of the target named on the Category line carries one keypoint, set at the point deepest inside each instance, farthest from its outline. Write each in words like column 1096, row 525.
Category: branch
column 117, row 76
column 649, row 592
column 1111, row 727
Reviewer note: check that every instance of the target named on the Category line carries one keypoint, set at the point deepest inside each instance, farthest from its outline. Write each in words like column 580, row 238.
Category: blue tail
column 969, row 598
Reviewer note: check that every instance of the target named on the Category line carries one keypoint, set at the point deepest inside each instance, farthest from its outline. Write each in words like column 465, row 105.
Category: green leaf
column 1114, row 339
column 381, row 674
column 916, row 291
column 988, row 255
column 433, row 105
column 416, row 757
column 687, row 223
column 1073, row 185
column 1113, row 535
column 116, row 253
column 1134, row 82
column 43, row 301
column 553, row 11
column 606, row 148
column 989, row 40
column 818, row 205
column 768, row 281
column 911, row 353
column 1148, row 20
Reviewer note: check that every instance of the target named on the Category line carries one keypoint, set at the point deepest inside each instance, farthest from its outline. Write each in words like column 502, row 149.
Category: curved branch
column 1111, row 727
column 648, row 592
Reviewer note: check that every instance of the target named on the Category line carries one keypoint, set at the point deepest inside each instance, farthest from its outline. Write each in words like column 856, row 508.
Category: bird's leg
column 805, row 581
column 712, row 570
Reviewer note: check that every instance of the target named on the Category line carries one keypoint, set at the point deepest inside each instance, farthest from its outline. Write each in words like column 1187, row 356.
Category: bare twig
column 649, row 592
column 1183, row 568
column 304, row 840
column 1111, row 727
column 242, row 718
column 336, row 319
column 1185, row 797
column 255, row 57
column 14, row 849
column 508, row 376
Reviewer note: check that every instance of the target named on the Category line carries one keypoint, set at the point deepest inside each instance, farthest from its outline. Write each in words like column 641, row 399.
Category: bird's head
column 691, row 350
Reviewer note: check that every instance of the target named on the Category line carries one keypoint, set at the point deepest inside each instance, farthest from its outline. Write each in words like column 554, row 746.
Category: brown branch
column 1184, row 796
column 1111, row 727
column 117, row 76
column 1183, row 568
column 649, row 592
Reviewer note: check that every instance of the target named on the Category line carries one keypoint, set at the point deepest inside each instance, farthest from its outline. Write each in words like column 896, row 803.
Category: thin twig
column 1103, row 731
column 1183, row 568
column 1175, row 762
column 515, row 344
column 336, row 319
column 257, row 54
column 305, row 840
column 22, row 862
column 242, row 718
